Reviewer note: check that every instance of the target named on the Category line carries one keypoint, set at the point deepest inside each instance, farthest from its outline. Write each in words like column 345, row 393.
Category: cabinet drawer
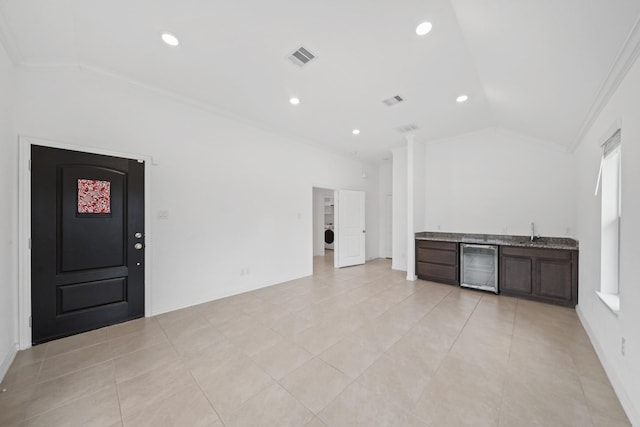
column 560, row 254
column 437, row 256
column 448, row 273
column 432, row 244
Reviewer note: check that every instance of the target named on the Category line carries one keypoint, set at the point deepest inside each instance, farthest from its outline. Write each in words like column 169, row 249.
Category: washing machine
column 328, row 237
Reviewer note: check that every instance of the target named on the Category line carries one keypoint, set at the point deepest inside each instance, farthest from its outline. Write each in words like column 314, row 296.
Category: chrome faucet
column 533, row 231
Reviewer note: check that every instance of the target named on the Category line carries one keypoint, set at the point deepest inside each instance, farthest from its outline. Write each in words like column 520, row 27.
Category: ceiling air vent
column 301, row 57
column 407, row 128
column 393, row 100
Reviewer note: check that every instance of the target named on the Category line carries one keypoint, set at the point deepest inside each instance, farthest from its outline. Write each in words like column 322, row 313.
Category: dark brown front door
column 87, row 233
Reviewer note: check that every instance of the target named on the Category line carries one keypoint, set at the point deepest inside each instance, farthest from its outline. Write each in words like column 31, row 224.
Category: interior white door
column 350, row 228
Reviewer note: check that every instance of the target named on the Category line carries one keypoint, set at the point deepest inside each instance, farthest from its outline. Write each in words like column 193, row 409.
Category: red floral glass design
column 94, row 196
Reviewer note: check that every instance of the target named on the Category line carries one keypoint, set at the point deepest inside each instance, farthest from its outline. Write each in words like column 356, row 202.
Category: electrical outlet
column 623, row 344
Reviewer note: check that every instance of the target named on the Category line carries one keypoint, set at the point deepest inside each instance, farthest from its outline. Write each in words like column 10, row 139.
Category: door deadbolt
column 138, row 235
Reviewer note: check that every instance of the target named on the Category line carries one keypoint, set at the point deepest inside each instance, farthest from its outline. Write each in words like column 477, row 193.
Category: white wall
column 605, row 328
column 419, row 187
column 237, row 196
column 399, row 232
column 415, row 199
column 8, row 217
column 385, row 189
column 495, row 182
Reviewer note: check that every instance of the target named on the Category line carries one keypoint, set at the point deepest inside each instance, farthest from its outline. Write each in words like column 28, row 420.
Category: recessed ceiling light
column 294, row 101
column 170, row 39
column 424, row 28
column 355, row 131
column 462, row 98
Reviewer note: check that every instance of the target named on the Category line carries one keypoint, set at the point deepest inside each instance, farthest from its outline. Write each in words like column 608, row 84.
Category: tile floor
column 356, row 346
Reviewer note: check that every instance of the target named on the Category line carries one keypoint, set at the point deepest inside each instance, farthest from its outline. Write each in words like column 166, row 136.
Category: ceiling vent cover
column 389, row 102
column 407, row 128
column 301, row 57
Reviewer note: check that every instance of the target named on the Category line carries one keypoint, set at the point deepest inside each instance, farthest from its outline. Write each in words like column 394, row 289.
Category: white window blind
column 608, row 147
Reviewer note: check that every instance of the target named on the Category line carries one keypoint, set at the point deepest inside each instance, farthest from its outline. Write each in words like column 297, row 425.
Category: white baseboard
column 627, row 404
column 8, row 360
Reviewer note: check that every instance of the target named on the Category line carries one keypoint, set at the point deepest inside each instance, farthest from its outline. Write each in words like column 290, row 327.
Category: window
column 610, row 222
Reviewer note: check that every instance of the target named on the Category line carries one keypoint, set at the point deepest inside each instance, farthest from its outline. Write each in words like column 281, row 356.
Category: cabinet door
column 437, row 256
column 516, row 275
column 553, row 279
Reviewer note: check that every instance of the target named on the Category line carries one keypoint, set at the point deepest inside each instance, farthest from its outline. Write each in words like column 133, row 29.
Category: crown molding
column 286, row 137
column 50, row 66
column 625, row 59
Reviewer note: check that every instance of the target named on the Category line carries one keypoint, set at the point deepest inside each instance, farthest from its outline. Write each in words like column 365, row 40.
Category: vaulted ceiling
column 534, row 67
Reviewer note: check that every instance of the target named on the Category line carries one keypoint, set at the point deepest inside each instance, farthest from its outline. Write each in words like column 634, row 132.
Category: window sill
column 612, row 301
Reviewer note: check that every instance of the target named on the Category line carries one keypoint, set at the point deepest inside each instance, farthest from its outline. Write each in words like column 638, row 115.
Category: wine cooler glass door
column 479, row 267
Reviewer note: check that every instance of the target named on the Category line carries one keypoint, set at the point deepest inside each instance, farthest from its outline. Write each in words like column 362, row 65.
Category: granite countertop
column 502, row 240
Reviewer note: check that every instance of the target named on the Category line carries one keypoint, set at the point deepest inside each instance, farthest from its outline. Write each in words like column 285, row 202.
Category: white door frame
column 24, row 226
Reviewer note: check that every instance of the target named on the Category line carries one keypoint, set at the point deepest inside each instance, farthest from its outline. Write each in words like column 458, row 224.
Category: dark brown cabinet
column 516, row 274
column 547, row 275
column 437, row 261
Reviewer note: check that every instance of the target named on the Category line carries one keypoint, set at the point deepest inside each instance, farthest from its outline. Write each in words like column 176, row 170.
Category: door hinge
column 29, row 243
column 29, row 165
column 30, row 322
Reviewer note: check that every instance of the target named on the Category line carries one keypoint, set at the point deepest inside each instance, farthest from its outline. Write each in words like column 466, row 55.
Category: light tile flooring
column 355, row 346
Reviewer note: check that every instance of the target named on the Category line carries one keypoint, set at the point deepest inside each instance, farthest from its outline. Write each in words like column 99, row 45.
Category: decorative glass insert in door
column 94, row 196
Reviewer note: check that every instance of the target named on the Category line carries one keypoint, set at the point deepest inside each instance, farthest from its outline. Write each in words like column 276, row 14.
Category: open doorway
column 339, row 226
column 323, row 226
